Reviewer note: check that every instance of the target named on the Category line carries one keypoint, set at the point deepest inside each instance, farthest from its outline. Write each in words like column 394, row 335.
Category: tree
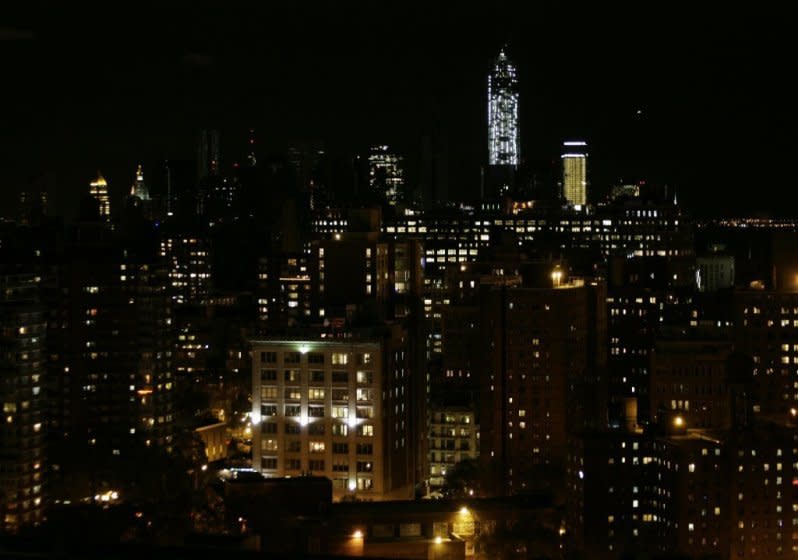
column 461, row 478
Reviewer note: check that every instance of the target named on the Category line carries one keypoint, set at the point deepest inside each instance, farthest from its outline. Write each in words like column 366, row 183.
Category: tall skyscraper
column 207, row 154
column 386, row 173
column 504, row 146
column 99, row 190
column 574, row 172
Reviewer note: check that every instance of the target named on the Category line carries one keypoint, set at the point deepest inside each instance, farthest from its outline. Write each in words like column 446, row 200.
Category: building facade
column 339, row 408
column 22, row 448
column 544, row 349
column 453, row 437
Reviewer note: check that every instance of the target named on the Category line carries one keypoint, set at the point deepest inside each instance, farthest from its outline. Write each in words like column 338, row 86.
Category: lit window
column 340, row 358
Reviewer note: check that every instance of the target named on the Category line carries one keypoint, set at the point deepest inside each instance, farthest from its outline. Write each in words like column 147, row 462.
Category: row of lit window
column 317, row 376
column 295, row 411
column 316, row 394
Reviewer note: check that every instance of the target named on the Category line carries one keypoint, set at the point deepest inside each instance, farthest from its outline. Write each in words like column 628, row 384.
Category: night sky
column 701, row 101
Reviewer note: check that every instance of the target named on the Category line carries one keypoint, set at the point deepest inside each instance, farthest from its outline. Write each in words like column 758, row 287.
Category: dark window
column 341, row 448
column 291, row 428
column 269, row 410
column 315, row 358
column 269, row 428
column 268, row 357
column 316, row 411
column 316, row 429
column 291, row 357
column 293, row 410
column 365, row 449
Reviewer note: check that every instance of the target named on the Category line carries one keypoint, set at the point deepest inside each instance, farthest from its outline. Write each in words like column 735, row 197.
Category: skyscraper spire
column 140, row 188
column 504, row 146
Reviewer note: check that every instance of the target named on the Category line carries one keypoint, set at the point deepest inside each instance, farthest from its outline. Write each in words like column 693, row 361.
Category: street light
column 556, row 277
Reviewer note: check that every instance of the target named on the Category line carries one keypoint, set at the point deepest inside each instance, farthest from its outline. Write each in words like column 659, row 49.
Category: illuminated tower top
column 99, row 190
column 504, row 146
column 139, row 188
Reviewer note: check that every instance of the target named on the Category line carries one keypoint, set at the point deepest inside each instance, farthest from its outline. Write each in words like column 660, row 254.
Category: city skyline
column 343, row 280
column 294, row 84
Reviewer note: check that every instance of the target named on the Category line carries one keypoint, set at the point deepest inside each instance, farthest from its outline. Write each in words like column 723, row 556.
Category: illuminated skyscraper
column 574, row 172
column 139, row 188
column 99, row 190
column 504, row 146
column 386, row 173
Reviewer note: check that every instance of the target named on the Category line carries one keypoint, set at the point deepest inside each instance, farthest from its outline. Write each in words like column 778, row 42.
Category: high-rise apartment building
column 766, row 328
column 453, row 437
column 341, row 408
column 691, row 377
column 544, row 351
column 284, row 291
column 111, row 347
column 188, row 261
column 683, row 492
column 22, row 456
